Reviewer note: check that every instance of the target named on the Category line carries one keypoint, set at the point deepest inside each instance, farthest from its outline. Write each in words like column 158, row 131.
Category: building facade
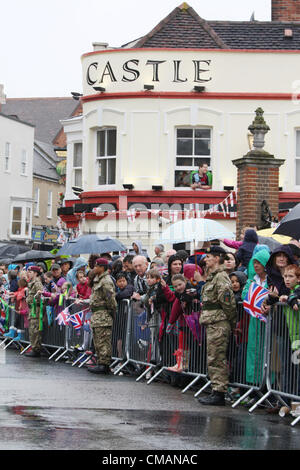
column 156, row 108
column 16, row 151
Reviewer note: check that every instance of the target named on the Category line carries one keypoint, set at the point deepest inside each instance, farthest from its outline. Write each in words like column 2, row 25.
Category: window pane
column 182, row 178
column 77, row 160
column 197, row 161
column 111, row 175
column 202, row 133
column 17, row 213
column 298, row 143
column 298, row 172
column 16, row 228
column 111, row 142
column 102, row 171
column 184, row 147
column 184, row 161
column 101, row 144
column 185, row 133
column 27, row 221
column 202, row 147
column 78, row 178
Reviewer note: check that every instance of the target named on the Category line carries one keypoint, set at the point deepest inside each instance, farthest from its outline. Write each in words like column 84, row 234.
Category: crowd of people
column 218, row 277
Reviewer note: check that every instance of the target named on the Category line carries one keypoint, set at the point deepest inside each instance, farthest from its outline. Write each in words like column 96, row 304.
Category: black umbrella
column 11, row 251
column 6, row 260
column 33, row 255
column 290, row 224
column 88, row 244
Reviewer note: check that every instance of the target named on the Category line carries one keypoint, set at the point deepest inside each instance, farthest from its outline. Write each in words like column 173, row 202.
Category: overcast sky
column 42, row 42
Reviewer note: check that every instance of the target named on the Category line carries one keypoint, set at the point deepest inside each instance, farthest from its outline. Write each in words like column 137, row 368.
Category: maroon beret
column 101, row 262
column 37, row 269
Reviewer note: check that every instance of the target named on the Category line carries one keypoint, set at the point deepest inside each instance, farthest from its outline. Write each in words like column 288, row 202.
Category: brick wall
column 285, row 10
column 254, row 185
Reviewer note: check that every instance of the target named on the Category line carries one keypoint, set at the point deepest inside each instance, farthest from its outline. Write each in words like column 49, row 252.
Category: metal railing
column 262, row 357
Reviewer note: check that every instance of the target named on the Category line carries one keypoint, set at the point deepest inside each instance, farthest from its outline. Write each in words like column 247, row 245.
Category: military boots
column 99, row 369
column 215, row 399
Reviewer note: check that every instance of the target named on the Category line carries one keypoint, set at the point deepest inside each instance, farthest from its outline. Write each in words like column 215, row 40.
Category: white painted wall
column 15, row 188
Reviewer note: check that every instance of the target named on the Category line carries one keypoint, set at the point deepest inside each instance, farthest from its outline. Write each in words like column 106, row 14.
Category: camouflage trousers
column 217, row 339
column 102, row 342
column 35, row 336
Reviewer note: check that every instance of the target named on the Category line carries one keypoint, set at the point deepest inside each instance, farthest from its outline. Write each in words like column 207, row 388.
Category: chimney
column 100, row 46
column 2, row 96
column 286, row 10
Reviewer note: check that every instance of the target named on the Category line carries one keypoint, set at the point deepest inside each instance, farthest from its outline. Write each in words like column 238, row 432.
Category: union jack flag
column 77, row 320
column 255, row 297
column 63, row 318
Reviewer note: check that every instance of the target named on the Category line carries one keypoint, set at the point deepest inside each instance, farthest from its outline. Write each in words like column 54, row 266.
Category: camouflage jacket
column 218, row 299
column 33, row 287
column 103, row 301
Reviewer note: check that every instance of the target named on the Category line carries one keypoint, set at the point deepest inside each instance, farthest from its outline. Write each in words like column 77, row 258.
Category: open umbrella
column 195, row 229
column 8, row 250
column 290, row 224
column 269, row 233
column 89, row 244
column 33, row 255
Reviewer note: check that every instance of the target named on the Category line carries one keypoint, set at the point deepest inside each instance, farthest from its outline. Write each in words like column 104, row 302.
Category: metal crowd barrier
column 247, row 355
column 262, row 357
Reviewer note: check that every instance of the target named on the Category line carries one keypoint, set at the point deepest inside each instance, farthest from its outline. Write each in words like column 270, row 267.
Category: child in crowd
column 124, row 292
column 83, row 289
column 124, row 289
column 18, row 322
column 238, row 282
column 183, row 298
column 49, row 284
column 290, row 373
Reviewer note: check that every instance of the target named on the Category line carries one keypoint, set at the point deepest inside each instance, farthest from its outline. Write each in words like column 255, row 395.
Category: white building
column 16, row 152
column 184, row 93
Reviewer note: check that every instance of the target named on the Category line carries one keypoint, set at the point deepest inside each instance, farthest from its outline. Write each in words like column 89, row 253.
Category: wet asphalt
column 47, row 405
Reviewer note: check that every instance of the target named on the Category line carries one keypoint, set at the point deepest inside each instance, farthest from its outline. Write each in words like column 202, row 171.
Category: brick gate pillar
column 257, row 180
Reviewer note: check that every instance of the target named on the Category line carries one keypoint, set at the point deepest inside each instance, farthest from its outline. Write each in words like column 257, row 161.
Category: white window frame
column 76, row 168
column 105, row 157
column 49, row 204
column 7, row 157
column 190, row 168
column 24, row 161
column 26, row 211
column 36, row 202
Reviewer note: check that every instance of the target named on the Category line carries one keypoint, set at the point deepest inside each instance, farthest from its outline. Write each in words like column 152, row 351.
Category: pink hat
column 189, row 270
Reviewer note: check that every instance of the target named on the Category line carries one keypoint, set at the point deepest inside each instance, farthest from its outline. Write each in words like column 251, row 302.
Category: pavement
column 47, row 405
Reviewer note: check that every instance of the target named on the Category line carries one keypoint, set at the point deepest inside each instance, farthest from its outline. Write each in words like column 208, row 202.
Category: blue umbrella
column 90, row 244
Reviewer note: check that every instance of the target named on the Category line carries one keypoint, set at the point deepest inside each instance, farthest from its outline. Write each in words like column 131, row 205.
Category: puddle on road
column 23, row 427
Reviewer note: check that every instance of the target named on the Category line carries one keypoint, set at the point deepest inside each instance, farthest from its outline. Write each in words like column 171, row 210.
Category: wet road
column 46, row 405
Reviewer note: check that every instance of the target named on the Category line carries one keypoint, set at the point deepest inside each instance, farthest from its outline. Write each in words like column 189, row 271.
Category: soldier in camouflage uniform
column 34, row 286
column 103, row 306
column 219, row 317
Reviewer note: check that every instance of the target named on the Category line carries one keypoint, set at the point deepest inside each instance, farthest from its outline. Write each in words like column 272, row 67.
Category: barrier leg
column 155, row 375
column 25, row 349
column 144, row 373
column 203, row 388
column 295, row 421
column 85, row 360
column 236, row 403
column 191, row 384
column 259, row 401
column 55, row 352
column 121, row 367
column 61, row 355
